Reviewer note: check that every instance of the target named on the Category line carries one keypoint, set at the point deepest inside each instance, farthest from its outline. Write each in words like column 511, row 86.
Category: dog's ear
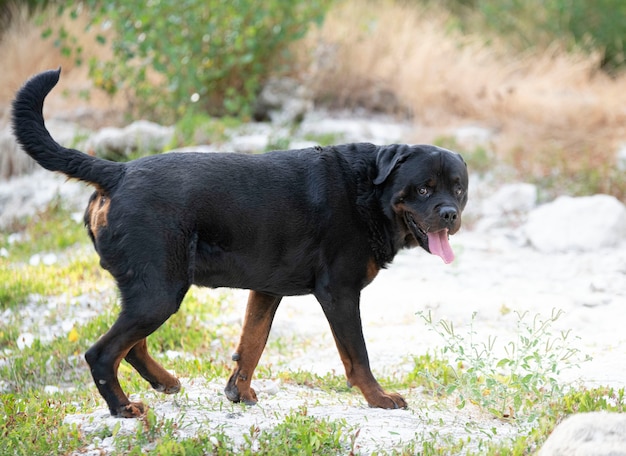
column 387, row 159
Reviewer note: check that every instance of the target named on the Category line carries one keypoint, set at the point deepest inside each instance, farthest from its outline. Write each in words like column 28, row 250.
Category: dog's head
column 424, row 191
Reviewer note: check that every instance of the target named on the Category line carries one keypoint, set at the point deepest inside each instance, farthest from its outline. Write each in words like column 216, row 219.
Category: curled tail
column 31, row 133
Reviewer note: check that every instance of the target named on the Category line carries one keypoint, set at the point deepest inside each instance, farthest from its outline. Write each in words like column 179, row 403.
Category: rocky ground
column 513, row 257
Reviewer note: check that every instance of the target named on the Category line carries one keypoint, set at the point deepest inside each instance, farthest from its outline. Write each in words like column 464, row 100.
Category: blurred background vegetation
column 216, row 54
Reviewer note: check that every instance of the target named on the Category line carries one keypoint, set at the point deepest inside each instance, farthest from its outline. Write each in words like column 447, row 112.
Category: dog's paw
column 234, row 395
column 249, row 398
column 388, row 401
column 131, row 410
column 232, row 392
column 173, row 388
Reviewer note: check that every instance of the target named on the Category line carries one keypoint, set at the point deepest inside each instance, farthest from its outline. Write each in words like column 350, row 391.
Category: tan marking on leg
column 160, row 379
column 256, row 328
column 361, row 376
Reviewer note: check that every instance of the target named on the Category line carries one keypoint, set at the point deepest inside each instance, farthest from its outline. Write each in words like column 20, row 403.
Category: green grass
column 76, row 275
column 50, row 230
column 32, row 423
column 300, row 434
column 53, row 230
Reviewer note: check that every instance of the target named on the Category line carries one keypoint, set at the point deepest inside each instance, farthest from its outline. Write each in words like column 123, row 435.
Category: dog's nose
column 448, row 214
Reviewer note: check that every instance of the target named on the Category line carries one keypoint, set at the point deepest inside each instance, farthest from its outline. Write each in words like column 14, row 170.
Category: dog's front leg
column 256, row 328
column 343, row 313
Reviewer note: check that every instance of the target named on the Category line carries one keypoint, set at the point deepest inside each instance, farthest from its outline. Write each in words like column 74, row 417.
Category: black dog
column 318, row 220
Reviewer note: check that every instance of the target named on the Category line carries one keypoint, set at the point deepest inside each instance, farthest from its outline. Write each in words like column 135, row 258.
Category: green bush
column 175, row 56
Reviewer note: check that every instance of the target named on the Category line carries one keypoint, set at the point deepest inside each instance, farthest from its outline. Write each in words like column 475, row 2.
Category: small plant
column 300, row 433
column 518, row 384
column 328, row 382
column 431, row 373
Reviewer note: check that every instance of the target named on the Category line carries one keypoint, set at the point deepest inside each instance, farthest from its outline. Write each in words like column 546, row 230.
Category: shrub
column 175, row 56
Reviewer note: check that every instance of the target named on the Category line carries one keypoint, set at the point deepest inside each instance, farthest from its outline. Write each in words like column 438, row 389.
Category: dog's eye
column 422, row 191
column 459, row 191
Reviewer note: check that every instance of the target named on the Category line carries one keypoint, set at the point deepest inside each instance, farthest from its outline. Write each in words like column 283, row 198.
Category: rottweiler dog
column 321, row 221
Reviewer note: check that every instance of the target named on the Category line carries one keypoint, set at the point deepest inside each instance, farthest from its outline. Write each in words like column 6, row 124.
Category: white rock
column 506, row 208
column 24, row 195
column 69, row 134
column 283, row 101
column 302, row 144
column 140, row 135
column 473, row 136
column 510, row 199
column 269, row 387
column 378, row 130
column 588, row 434
column 51, row 389
column 204, row 148
column 577, row 224
column 250, row 144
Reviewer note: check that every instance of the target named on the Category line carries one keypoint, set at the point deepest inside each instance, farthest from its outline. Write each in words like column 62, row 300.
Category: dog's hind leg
column 126, row 339
column 256, row 328
column 160, row 379
column 153, row 277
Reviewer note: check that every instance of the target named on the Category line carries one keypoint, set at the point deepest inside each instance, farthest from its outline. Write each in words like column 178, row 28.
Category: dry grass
column 24, row 52
column 552, row 109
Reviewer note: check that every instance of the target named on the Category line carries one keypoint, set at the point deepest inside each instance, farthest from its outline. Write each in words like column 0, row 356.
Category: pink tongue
column 438, row 245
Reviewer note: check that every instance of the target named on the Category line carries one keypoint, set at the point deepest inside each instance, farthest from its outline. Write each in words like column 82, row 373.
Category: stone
column 283, row 101
column 24, row 195
column 577, row 224
column 117, row 143
column 588, row 434
column 511, row 199
column 345, row 128
column 506, row 207
column 250, row 144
